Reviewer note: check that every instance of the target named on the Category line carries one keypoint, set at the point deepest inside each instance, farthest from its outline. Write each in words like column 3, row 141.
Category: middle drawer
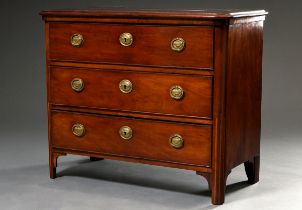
column 143, row 92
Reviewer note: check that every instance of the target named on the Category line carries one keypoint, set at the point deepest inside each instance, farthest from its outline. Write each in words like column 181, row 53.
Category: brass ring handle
column 176, row 92
column 77, row 84
column 176, row 141
column 178, row 44
column 125, row 86
column 78, row 130
column 125, row 132
column 126, row 39
column 77, row 40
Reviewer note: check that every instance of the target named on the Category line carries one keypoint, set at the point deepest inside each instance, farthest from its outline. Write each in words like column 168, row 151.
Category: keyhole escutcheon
column 125, row 86
column 126, row 39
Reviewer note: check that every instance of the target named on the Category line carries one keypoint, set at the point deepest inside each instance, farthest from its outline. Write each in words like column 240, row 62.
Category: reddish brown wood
column 150, row 92
column 151, row 44
column 137, row 21
column 150, row 116
column 218, row 177
column 219, row 117
column 53, row 163
column 243, row 105
column 150, row 139
column 154, row 17
column 154, row 14
column 245, row 20
column 136, row 160
column 139, row 68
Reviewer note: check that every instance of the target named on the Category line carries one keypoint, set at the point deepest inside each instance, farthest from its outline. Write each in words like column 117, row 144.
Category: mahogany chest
column 171, row 88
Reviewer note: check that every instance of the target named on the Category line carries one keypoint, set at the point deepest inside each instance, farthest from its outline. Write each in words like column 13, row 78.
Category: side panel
column 243, row 92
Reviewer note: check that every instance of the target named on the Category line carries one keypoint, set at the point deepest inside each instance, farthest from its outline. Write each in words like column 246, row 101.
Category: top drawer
column 151, row 45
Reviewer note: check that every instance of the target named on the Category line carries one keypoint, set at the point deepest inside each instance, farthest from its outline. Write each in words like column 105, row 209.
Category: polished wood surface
column 150, row 91
column 153, row 13
column 151, row 116
column 150, row 139
column 139, row 68
column 151, row 44
column 217, row 179
column 220, row 71
column 243, row 105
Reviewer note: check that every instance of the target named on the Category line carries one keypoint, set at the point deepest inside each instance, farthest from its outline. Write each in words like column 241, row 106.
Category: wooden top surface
column 144, row 13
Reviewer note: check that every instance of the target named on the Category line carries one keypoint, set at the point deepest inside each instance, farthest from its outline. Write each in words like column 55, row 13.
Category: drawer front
column 151, row 45
column 149, row 93
column 150, row 139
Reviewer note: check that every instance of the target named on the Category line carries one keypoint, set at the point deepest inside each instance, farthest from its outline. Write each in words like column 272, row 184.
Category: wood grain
column 243, row 104
column 220, row 71
column 139, row 115
column 151, row 44
column 150, row 138
column 155, row 14
column 150, row 93
column 217, row 179
column 171, row 164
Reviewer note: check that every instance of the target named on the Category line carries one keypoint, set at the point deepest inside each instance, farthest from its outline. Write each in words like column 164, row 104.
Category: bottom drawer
column 152, row 140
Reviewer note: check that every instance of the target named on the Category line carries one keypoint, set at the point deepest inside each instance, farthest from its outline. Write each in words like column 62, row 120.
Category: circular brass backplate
column 126, row 39
column 77, row 84
column 77, row 40
column 125, row 132
column 178, row 44
column 176, row 141
column 78, row 130
column 176, row 92
column 125, row 86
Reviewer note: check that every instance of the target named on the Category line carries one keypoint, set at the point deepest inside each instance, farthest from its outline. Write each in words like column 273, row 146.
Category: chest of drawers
column 171, row 88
